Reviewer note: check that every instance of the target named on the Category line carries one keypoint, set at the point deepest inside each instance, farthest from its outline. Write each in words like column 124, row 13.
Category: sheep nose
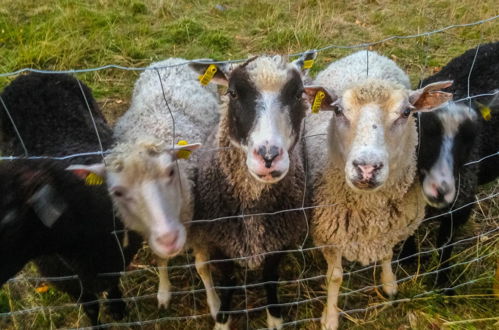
column 367, row 171
column 168, row 239
column 268, row 154
column 443, row 189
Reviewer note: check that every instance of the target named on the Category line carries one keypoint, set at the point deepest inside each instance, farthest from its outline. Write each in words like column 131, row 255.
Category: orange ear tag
column 183, row 154
column 205, row 78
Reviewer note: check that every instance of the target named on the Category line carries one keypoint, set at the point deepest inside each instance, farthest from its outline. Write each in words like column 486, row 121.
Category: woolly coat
column 193, row 107
column 52, row 117
column 484, row 78
column 226, row 191
column 363, row 226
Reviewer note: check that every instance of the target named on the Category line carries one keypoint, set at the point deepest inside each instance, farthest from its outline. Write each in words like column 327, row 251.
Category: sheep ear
column 184, row 151
column 430, row 96
column 219, row 77
column 83, row 171
column 48, row 205
column 328, row 101
column 305, row 61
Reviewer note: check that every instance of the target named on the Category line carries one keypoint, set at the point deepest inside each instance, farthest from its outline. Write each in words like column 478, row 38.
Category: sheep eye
column 118, row 192
column 232, row 93
column 171, row 172
column 406, row 113
column 299, row 95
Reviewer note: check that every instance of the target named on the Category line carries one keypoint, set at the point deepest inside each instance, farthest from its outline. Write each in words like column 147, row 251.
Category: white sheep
column 369, row 173
column 151, row 190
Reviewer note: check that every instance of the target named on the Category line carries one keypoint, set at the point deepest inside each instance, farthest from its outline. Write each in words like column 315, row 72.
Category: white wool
column 397, row 223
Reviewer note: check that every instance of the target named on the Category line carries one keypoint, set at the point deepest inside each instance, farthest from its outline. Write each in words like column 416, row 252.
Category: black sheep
column 51, row 114
column 455, row 135
column 52, row 215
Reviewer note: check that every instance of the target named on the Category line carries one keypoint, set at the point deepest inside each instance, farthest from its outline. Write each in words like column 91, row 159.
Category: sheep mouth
column 438, row 203
column 269, row 177
column 365, row 185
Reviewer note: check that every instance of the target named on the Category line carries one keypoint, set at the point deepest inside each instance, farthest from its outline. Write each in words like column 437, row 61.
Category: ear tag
column 308, row 64
column 42, row 288
column 93, row 179
column 486, row 112
column 184, row 154
column 316, row 105
column 48, row 205
column 205, row 78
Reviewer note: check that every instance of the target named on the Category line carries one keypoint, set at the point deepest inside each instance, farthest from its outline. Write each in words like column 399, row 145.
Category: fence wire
column 486, row 240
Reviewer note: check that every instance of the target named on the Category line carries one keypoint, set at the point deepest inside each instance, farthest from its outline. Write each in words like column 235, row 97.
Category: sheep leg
column 117, row 307
column 448, row 226
column 270, row 278
column 388, row 278
column 229, row 281
column 334, row 278
column 164, row 294
column 204, row 272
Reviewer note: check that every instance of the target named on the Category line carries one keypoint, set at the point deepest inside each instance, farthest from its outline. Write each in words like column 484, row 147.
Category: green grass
column 76, row 34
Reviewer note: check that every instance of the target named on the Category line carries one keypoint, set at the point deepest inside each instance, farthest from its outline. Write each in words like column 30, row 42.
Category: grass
column 76, row 34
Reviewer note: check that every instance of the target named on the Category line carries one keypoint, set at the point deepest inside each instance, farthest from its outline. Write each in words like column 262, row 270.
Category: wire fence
column 303, row 285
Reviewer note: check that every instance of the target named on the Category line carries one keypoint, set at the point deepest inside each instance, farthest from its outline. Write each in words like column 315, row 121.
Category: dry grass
column 72, row 34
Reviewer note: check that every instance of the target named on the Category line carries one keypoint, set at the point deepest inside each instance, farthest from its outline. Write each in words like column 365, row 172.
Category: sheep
column 50, row 215
column 369, row 172
column 478, row 70
column 258, row 167
column 452, row 136
column 151, row 191
column 68, row 225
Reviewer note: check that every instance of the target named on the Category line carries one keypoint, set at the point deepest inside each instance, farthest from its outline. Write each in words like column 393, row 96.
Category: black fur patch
column 463, row 144
column 291, row 96
column 430, row 139
column 242, row 106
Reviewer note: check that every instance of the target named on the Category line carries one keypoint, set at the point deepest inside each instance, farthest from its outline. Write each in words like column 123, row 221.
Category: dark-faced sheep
column 450, row 138
column 257, row 168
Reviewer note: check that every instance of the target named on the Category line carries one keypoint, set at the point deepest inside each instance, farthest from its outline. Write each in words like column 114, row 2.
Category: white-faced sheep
column 257, row 168
column 452, row 136
column 368, row 178
column 152, row 192
column 48, row 213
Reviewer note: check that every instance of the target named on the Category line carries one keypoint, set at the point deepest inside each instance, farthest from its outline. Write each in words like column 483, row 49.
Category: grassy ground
column 72, row 34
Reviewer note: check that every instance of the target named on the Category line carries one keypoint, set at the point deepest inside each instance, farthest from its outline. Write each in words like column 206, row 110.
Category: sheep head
column 447, row 137
column 149, row 190
column 370, row 132
column 266, row 107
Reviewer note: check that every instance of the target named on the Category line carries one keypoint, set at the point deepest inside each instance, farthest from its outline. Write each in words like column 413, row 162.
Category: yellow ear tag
column 486, row 112
column 184, row 154
column 205, row 78
column 316, row 106
column 308, row 64
column 93, row 179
